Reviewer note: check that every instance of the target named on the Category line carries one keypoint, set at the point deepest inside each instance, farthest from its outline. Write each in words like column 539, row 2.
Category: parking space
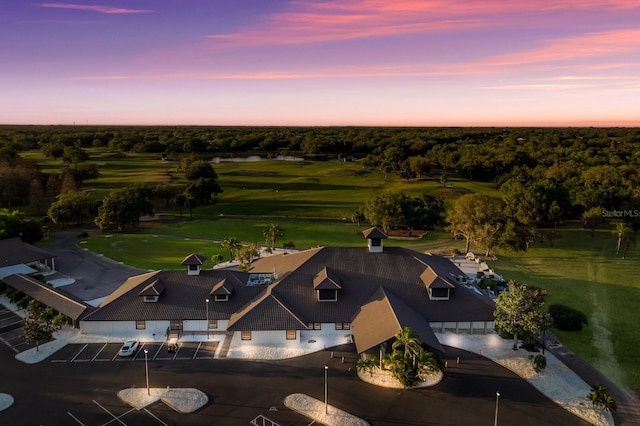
column 11, row 326
column 156, row 351
column 110, row 411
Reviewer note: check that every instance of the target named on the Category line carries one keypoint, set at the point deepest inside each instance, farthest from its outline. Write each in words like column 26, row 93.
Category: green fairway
column 586, row 274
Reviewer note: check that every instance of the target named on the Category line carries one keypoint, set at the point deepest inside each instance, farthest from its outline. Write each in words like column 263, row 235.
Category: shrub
column 539, row 361
column 83, row 234
column 566, row 318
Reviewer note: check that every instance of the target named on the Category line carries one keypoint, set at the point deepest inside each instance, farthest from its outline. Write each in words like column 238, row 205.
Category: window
column 246, row 335
column 221, row 297
column 330, row 295
column 150, row 299
column 343, row 326
column 193, row 267
column 213, row 324
column 317, row 326
column 338, row 326
column 291, row 335
column 376, row 242
column 141, row 325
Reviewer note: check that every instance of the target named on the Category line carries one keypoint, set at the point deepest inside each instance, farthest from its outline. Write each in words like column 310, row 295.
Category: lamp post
column 495, row 421
column 207, row 300
column 146, row 370
column 326, row 389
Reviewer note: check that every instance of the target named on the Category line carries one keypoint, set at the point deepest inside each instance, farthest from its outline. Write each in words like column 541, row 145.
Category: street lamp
column 326, row 390
column 495, row 422
column 146, row 370
column 207, row 300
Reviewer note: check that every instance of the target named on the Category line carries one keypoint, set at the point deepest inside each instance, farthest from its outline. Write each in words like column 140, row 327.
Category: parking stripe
column 155, row 417
column 75, row 418
column 197, row 349
column 101, row 349
column 79, row 352
column 114, row 417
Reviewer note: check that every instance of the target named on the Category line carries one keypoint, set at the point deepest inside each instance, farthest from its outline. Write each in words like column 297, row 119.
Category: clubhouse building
column 311, row 298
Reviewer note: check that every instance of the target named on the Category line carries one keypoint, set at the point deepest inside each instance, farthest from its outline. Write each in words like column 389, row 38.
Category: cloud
column 92, row 8
column 334, row 20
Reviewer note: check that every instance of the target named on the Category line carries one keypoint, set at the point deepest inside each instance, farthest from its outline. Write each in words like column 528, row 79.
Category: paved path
column 96, row 276
column 628, row 412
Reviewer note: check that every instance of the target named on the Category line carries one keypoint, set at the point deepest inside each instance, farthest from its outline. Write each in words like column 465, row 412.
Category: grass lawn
column 152, row 252
column 585, row 273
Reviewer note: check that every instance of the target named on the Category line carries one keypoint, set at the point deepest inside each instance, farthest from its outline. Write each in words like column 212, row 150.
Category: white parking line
column 197, row 349
column 79, row 352
column 155, row 417
column 117, row 418
column 75, row 418
column 101, row 349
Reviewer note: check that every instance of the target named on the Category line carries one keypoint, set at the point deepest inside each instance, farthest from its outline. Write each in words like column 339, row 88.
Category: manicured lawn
column 152, row 252
column 586, row 274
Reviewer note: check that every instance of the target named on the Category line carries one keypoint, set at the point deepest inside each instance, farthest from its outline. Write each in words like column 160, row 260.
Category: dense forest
column 544, row 174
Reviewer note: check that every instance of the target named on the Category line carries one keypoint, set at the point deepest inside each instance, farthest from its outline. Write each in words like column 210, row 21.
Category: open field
column 586, row 274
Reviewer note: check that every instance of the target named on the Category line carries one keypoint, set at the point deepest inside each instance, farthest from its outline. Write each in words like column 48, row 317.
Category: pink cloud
column 332, row 20
column 92, row 8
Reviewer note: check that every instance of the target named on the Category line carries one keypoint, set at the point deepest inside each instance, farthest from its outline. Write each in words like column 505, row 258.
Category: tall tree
column 477, row 218
column 231, row 245
column 626, row 237
column 272, row 233
column 37, row 327
column 592, row 218
column 519, row 311
column 123, row 207
column 70, row 207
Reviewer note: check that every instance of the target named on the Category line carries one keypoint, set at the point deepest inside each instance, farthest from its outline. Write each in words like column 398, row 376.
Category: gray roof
column 194, row 259
column 433, row 280
column 291, row 301
column 14, row 251
column 48, row 296
column 326, row 279
column 154, row 289
column 383, row 317
column 374, row 232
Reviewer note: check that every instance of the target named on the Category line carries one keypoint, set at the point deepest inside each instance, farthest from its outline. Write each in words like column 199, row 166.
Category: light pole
column 207, row 300
column 495, row 422
column 146, row 370
column 326, row 389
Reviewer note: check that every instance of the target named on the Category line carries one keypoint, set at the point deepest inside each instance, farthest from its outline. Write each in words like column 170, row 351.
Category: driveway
column 96, row 276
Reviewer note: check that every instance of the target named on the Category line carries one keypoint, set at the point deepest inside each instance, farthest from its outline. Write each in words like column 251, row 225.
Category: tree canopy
column 519, row 311
column 123, row 207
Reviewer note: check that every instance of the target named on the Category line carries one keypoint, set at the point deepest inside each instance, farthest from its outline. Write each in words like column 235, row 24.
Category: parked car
column 129, row 348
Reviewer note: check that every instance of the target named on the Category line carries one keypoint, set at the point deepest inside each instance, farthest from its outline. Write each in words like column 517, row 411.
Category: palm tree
column 622, row 232
column 601, row 399
column 232, row 245
column 272, row 234
column 410, row 342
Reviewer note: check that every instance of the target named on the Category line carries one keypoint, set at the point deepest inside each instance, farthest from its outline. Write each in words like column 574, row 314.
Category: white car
column 129, row 348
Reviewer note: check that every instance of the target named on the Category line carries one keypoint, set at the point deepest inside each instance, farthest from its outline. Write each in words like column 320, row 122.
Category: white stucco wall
column 125, row 329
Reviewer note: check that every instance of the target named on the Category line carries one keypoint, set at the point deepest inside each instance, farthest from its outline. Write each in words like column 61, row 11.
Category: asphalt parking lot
column 11, row 326
column 155, row 351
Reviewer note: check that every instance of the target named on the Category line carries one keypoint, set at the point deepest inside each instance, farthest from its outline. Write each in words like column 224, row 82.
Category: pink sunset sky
column 332, row 62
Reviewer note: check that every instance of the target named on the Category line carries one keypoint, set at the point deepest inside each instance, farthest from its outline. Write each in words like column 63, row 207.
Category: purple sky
column 332, row 62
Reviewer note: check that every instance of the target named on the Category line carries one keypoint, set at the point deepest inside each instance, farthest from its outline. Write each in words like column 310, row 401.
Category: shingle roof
column 48, row 296
column 291, row 301
column 221, row 289
column 432, row 280
column 326, row 279
column 14, row 251
column 194, row 259
column 154, row 289
column 266, row 312
column 374, row 232
column 383, row 317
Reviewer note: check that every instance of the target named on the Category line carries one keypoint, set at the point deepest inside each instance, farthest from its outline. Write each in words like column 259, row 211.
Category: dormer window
column 194, row 263
column 152, row 292
column 221, row 291
column 327, row 283
column 327, row 295
column 437, row 287
column 374, row 238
